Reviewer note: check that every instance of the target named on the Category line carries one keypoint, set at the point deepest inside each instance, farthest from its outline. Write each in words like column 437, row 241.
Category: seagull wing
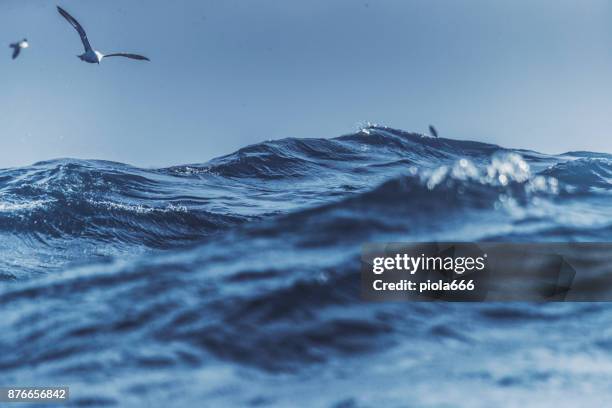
column 77, row 27
column 16, row 50
column 126, row 55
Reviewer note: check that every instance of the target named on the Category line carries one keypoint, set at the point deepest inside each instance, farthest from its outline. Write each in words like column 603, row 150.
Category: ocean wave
column 244, row 271
column 584, row 174
column 124, row 208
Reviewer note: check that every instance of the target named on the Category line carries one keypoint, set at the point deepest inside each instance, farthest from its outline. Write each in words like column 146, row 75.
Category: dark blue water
column 236, row 282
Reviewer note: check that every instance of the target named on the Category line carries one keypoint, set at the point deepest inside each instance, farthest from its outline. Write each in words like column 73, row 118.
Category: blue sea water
column 236, row 282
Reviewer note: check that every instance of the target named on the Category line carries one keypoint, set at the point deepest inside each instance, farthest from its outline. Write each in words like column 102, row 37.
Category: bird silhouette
column 18, row 46
column 433, row 131
column 90, row 55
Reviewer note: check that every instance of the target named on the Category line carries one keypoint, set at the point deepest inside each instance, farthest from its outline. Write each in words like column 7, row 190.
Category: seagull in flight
column 18, row 46
column 90, row 55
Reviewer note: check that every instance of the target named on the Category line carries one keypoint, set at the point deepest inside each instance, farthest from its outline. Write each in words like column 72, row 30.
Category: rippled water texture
column 236, row 282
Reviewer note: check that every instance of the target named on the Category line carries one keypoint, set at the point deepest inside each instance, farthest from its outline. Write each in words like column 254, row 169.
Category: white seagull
column 90, row 55
column 18, row 46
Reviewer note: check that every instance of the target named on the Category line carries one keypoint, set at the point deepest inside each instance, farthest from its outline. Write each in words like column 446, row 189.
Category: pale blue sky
column 226, row 73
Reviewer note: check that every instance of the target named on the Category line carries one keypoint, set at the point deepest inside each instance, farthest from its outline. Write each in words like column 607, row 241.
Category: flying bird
column 18, row 46
column 433, row 131
column 90, row 55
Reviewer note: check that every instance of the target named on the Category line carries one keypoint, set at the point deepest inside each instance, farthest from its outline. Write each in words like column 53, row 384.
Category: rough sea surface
column 236, row 282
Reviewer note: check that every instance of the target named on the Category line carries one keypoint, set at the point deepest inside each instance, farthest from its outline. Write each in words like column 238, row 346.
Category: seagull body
column 90, row 55
column 18, row 46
